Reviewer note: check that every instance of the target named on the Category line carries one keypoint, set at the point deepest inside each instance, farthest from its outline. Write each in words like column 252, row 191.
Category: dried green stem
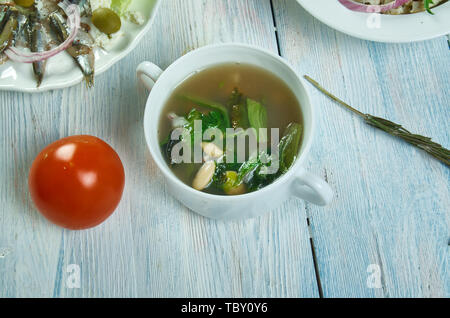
column 331, row 96
column 396, row 130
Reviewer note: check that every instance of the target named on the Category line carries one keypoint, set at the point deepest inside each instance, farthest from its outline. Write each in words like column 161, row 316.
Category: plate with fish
column 393, row 21
column 53, row 44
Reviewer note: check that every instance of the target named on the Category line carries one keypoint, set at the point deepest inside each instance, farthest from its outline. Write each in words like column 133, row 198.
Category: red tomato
column 77, row 182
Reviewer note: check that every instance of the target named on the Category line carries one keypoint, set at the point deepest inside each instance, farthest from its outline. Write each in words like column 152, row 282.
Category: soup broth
column 250, row 97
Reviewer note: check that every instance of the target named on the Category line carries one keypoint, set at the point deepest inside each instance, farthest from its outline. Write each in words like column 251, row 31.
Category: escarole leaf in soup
column 253, row 173
column 193, row 115
column 213, row 119
column 212, row 106
column 247, row 167
column 257, row 115
column 289, row 146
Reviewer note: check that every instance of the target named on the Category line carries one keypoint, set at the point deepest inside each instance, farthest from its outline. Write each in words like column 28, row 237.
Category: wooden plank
column 392, row 201
column 151, row 246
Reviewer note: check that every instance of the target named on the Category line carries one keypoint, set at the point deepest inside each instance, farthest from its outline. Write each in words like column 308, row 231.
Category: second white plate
column 381, row 28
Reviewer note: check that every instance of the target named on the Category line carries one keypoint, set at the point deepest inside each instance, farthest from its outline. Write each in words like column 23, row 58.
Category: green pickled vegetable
column 24, row 3
column 106, row 20
column 427, row 4
column 289, row 146
column 231, row 185
column 257, row 115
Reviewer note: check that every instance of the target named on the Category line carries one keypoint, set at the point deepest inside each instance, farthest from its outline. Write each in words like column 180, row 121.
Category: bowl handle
column 308, row 187
column 148, row 73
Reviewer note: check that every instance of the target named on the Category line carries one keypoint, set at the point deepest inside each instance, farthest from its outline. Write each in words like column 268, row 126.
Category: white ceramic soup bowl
column 297, row 182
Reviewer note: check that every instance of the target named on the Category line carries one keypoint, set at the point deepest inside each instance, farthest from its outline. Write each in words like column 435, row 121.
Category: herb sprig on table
column 396, row 130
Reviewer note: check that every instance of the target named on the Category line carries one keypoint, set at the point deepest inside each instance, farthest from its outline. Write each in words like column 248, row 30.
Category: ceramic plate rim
column 421, row 25
column 112, row 60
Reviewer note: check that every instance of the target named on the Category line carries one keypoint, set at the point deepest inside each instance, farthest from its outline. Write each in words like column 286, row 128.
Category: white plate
column 392, row 28
column 61, row 71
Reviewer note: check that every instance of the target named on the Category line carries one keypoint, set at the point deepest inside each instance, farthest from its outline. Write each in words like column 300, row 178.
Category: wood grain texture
column 152, row 246
column 392, row 203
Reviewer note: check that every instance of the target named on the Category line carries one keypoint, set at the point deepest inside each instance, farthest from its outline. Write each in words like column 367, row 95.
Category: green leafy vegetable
column 257, row 115
column 252, row 173
column 289, row 146
column 232, row 164
column 220, row 177
column 248, row 167
column 212, row 106
column 193, row 115
column 213, row 119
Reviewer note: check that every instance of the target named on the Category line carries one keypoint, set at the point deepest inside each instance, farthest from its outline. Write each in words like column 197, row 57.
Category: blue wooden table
column 386, row 234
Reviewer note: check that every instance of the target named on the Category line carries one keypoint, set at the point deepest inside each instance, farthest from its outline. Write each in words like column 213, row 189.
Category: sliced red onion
column 73, row 19
column 360, row 7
